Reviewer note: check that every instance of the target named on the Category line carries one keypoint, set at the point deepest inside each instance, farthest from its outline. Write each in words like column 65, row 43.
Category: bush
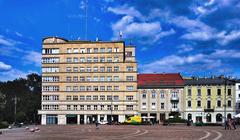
column 175, row 120
column 4, row 124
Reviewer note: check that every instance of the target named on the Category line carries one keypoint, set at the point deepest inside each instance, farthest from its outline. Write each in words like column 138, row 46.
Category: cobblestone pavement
column 117, row 132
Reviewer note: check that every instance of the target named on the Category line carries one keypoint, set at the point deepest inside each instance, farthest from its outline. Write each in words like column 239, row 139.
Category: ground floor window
column 189, row 116
column 209, row 117
column 219, row 117
column 51, row 119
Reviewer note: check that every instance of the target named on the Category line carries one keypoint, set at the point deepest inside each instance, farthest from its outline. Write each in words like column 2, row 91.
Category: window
column 229, row 103
column 82, row 97
column 116, row 68
column 102, row 50
column 129, row 97
column 143, row 106
column 109, row 107
column 102, row 78
column 116, row 59
column 174, row 105
column 95, row 50
column 189, row 103
column 129, row 78
column 144, row 96
column 109, row 78
column 153, row 95
column 74, row 107
column 208, row 104
column 82, row 78
column 95, row 88
column 208, row 92
column 82, row 59
column 199, row 92
column 50, row 88
column 129, row 107
column 189, row 92
column 94, row 107
column 109, row 97
column 229, row 92
column 115, row 97
column 69, row 50
column 88, row 107
column 95, row 59
column 50, row 51
column 153, row 106
column 75, row 69
column 88, row 97
column 129, row 68
column 82, row 69
column 102, row 59
column 89, row 59
column 128, row 54
column 102, row 107
column 75, row 97
column 95, row 97
column 219, row 103
column 69, row 60
column 162, row 105
column 102, row 88
column 68, row 69
column 199, row 104
column 88, row 69
column 102, row 69
column 68, row 107
column 129, row 88
column 116, row 88
column 75, row 88
column 68, row 97
column 162, row 94
column 109, row 88
column 219, row 92
column 89, row 88
column 81, row 107
column 109, row 69
column 95, row 78
column 239, row 87
column 109, row 59
column 116, row 78
column 89, row 50
column 116, row 49
column 68, row 88
column 82, row 50
column 102, row 97
column 50, row 79
column 50, row 60
column 75, row 59
column 115, row 107
column 50, row 69
column 82, row 88
column 75, row 78
column 68, row 79
column 109, row 49
column 75, row 50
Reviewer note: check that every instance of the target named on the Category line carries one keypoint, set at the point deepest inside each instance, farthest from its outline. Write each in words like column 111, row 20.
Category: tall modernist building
column 160, row 95
column 206, row 99
column 85, row 81
column 237, row 96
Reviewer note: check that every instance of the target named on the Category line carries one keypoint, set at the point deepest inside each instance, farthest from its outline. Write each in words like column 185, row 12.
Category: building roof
column 208, row 81
column 163, row 80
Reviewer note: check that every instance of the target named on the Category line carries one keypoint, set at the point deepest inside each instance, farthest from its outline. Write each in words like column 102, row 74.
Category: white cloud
column 12, row 74
column 18, row 34
column 126, row 10
column 224, row 38
column 191, row 63
column 6, row 42
column 4, row 67
column 33, row 57
column 185, row 48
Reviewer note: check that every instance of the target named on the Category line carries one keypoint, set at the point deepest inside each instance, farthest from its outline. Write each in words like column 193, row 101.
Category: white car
column 103, row 122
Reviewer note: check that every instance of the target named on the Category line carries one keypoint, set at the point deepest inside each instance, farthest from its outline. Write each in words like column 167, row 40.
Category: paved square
column 117, row 132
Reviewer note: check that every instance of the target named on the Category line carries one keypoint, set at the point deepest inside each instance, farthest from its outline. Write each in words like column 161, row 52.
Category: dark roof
column 208, row 81
column 160, row 80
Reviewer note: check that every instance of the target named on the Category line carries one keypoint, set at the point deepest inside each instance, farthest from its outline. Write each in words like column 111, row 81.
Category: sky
column 192, row 37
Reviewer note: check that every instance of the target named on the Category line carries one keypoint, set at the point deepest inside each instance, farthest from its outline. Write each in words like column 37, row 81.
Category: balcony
column 174, row 109
column 208, row 109
column 174, row 98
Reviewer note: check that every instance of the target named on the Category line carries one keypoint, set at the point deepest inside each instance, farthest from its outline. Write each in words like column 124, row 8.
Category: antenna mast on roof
column 86, row 19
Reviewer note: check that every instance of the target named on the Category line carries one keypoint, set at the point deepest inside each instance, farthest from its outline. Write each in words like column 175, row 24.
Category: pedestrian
column 96, row 123
column 226, row 124
column 233, row 123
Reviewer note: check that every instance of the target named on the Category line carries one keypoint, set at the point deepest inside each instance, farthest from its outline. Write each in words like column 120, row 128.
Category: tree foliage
column 28, row 94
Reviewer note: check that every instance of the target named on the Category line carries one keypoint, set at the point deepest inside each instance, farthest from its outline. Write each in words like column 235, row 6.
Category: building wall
column 203, row 110
column 237, row 98
column 70, row 87
column 166, row 99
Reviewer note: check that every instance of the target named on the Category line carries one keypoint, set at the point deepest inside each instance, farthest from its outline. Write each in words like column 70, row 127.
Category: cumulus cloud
column 33, row 57
column 191, row 63
column 4, row 67
column 12, row 74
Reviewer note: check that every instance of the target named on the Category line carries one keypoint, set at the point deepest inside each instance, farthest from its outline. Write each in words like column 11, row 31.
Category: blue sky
column 198, row 37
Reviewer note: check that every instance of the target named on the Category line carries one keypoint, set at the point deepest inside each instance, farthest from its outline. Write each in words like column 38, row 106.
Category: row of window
column 86, row 107
column 199, row 104
column 162, row 106
column 50, row 97
column 162, row 94
column 50, row 51
column 209, row 92
column 92, row 59
column 92, row 50
column 88, row 69
column 96, row 97
column 97, row 88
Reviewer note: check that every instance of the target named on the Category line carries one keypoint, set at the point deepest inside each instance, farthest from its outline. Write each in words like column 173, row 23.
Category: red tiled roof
column 164, row 79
